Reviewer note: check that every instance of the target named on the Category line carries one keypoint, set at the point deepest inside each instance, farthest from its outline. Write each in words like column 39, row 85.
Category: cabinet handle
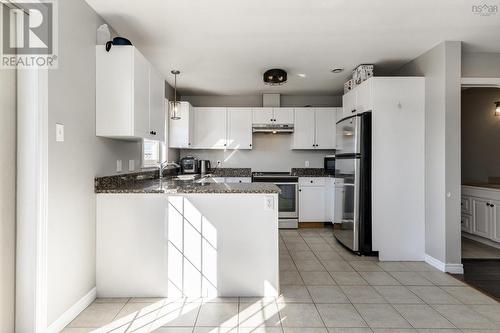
column 250, row 145
column 300, row 190
column 311, row 181
column 354, row 110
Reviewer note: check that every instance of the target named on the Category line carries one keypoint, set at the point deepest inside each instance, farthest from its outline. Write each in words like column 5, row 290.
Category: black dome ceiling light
column 275, row 77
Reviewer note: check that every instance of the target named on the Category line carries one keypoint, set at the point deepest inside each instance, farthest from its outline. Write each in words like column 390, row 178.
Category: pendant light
column 175, row 106
column 497, row 108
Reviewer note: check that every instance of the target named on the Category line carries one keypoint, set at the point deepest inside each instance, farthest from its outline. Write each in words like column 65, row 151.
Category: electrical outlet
column 59, row 133
column 307, row 164
column 131, row 165
column 118, row 165
column 269, row 205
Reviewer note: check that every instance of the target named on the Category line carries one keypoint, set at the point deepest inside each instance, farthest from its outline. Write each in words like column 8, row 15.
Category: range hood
column 272, row 128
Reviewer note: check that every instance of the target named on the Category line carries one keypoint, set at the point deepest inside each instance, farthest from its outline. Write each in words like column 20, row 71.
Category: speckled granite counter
column 231, row 172
column 310, row 172
column 149, row 183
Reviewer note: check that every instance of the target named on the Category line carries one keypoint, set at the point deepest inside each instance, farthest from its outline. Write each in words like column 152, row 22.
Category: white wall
column 481, row 64
column 74, row 163
column 7, row 198
column 441, row 67
column 480, row 134
column 271, row 152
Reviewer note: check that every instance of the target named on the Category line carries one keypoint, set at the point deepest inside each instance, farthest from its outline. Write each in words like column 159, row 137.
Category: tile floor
column 324, row 289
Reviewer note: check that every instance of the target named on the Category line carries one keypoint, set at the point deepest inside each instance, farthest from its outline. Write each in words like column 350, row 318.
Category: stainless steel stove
column 288, row 203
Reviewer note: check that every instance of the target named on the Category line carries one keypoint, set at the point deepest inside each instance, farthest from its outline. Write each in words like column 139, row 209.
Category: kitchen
column 194, row 178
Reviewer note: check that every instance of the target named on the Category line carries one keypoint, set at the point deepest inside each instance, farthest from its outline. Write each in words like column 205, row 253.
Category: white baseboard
column 70, row 314
column 448, row 268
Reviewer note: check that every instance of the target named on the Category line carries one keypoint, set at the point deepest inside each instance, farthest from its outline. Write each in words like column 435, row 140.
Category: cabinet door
column 364, row 97
column 141, row 95
column 326, row 119
column 262, row 115
column 283, row 115
column 349, row 103
column 180, row 134
column 466, row 223
column 303, row 134
column 481, row 217
column 495, row 220
column 239, row 128
column 312, row 204
column 209, row 128
column 157, row 107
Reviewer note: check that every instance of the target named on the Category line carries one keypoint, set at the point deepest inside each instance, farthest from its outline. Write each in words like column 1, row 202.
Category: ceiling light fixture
column 301, row 75
column 275, row 77
column 337, row 70
column 175, row 106
column 497, row 108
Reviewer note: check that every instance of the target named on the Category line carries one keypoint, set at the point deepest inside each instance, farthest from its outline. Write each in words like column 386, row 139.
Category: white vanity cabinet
column 129, row 95
column 481, row 213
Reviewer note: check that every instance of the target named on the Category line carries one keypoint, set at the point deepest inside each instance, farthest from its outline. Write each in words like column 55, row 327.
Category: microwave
column 330, row 164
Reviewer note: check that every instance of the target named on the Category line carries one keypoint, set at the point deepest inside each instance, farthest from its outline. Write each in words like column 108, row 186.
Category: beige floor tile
column 114, row 300
column 379, row 279
column 287, row 265
column 303, row 255
column 468, row 295
column 300, row 315
column 340, row 315
column 317, row 278
column 422, row 316
column 463, row 316
column 220, row 299
column 290, row 277
column 441, row 279
column 439, row 330
column 309, row 265
column 381, row 316
column 320, row 247
column 327, row 294
column 97, row 315
column 260, row 330
column 433, row 295
column 395, row 330
column 175, row 314
column 294, row 294
column 394, row 266
column 77, row 330
column 365, row 266
column 328, row 255
column 398, row 295
column 304, row 330
column 216, row 329
column 137, row 315
column 173, row 330
column 466, row 330
column 420, row 266
column 348, row 279
column 255, row 315
column 490, row 311
column 218, row 314
column 411, row 279
column 349, row 330
column 258, row 300
column 362, row 294
column 337, row 266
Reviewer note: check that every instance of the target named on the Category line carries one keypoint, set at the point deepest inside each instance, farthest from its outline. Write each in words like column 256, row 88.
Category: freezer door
column 347, row 232
column 348, row 132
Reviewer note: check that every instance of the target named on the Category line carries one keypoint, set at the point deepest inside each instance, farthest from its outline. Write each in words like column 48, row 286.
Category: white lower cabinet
column 312, row 199
column 481, row 212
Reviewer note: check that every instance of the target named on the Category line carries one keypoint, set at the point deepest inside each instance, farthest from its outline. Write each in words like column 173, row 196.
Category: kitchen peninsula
column 189, row 237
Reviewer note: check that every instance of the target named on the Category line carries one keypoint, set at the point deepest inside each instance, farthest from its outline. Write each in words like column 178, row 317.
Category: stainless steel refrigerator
column 353, row 174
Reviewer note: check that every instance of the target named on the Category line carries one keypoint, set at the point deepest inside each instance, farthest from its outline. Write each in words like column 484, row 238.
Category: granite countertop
column 231, row 172
column 171, row 185
column 310, row 172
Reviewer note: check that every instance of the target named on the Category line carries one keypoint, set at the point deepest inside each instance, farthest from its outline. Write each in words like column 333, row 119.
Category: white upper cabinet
column 326, row 119
column 239, row 128
column 283, row 115
column 262, row 115
column 209, row 128
column 315, row 128
column 304, row 129
column 349, row 103
column 129, row 95
column 358, row 100
column 180, row 134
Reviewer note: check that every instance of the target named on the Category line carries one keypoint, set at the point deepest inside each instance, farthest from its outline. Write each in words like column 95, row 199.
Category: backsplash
column 271, row 152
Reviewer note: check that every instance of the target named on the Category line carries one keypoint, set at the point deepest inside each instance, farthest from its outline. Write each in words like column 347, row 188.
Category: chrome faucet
column 164, row 165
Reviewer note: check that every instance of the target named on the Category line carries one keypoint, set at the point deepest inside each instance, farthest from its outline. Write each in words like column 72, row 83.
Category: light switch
column 131, row 165
column 307, row 164
column 269, row 203
column 59, row 133
column 118, row 165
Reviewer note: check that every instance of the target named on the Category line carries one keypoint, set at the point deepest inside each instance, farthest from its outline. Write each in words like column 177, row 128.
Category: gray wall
column 256, row 100
column 7, row 197
column 480, row 134
column 481, row 65
column 441, row 67
column 74, row 163
column 270, row 152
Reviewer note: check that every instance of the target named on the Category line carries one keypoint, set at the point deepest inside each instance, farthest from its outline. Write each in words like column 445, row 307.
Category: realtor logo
column 484, row 9
column 28, row 34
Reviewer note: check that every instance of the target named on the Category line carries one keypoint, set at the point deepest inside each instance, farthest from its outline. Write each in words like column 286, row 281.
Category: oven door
column 288, row 201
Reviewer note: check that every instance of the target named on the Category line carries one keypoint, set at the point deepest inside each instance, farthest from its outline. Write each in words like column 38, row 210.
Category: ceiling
column 222, row 47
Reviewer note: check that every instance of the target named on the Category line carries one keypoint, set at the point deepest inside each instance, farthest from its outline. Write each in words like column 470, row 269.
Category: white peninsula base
column 191, row 245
